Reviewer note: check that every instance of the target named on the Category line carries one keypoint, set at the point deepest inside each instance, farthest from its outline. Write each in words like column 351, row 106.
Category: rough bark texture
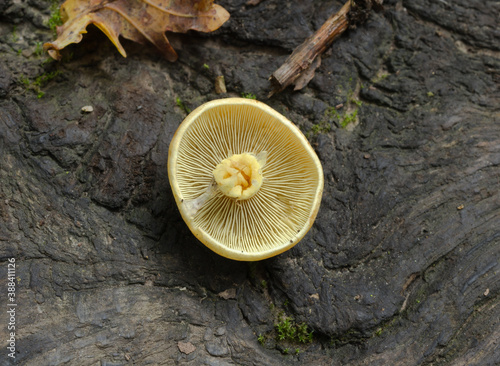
column 401, row 267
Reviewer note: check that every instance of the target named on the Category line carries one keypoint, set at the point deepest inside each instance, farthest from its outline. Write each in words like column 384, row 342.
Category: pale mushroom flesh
column 247, row 182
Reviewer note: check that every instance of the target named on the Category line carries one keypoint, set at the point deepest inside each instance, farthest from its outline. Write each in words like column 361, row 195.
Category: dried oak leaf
column 137, row 20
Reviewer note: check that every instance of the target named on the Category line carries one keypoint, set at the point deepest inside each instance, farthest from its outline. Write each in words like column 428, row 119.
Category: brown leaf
column 137, row 20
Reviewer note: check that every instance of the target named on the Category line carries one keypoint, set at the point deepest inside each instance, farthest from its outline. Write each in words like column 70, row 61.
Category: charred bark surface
column 402, row 265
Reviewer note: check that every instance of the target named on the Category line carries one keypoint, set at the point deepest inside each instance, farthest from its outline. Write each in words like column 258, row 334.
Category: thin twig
column 300, row 60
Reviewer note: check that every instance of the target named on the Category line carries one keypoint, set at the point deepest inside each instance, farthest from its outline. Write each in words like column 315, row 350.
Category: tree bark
column 400, row 268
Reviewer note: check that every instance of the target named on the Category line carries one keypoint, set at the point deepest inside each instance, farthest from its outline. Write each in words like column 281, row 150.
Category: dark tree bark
column 401, row 266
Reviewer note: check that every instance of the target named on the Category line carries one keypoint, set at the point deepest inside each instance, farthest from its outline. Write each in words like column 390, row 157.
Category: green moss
column 55, row 16
column 182, row 106
column 24, row 80
column 14, row 36
column 46, row 61
column 303, row 334
column 381, row 76
column 39, row 82
column 286, row 335
column 45, row 77
column 249, row 95
column 288, row 330
column 323, row 127
column 357, row 102
column 38, row 49
column 348, row 118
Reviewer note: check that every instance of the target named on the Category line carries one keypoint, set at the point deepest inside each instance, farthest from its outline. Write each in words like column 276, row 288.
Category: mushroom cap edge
column 201, row 234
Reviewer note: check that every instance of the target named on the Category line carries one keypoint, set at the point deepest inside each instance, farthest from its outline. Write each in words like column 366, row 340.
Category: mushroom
column 247, row 182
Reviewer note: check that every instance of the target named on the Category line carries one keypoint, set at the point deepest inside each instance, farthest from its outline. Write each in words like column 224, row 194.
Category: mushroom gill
column 246, row 180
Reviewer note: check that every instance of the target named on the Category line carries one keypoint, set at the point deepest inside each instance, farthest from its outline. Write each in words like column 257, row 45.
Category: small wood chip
column 220, row 85
column 314, row 296
column 228, row 294
column 306, row 76
column 253, row 2
column 186, row 347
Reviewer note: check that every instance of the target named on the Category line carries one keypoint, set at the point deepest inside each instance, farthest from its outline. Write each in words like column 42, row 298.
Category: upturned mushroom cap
column 246, row 180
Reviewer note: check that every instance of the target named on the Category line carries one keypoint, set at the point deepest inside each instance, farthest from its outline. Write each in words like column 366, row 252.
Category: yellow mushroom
column 245, row 179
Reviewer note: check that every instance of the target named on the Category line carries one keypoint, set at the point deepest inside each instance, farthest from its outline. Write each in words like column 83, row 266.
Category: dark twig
column 352, row 13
